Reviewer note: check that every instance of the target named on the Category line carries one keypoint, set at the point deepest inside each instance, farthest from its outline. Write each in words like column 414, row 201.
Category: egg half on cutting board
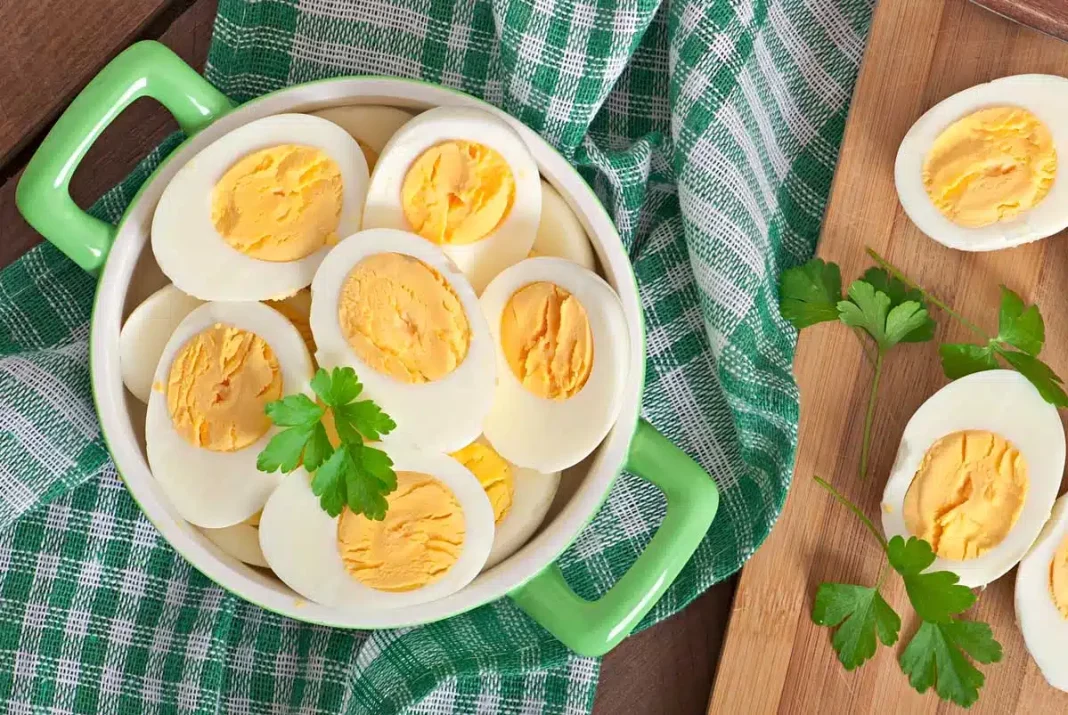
column 434, row 539
column 977, row 473
column 980, row 171
column 206, row 422
column 464, row 180
column 253, row 214
column 1042, row 598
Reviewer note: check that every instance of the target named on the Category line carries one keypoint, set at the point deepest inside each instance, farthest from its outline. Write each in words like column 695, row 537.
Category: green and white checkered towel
column 709, row 128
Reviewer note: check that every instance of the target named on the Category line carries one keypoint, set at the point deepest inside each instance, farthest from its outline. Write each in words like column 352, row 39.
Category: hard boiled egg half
column 976, row 475
column 561, row 340
column 206, row 422
column 1042, row 598
column 372, row 126
column 560, row 233
column 394, row 308
column 253, row 214
column 520, row 497
column 433, row 541
column 242, row 541
column 980, row 170
column 464, row 180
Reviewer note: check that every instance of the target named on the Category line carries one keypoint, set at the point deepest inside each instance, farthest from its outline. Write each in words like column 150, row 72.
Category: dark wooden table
column 51, row 49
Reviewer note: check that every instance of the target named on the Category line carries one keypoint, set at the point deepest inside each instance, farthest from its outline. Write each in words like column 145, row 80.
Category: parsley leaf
column 352, row 474
column 861, row 614
column 1040, row 375
column 900, row 293
column 936, row 596
column 960, row 359
column 1019, row 325
column 936, row 656
column 870, row 310
column 810, row 293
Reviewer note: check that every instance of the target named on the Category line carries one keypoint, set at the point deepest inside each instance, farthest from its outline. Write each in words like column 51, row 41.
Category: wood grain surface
column 667, row 669
column 775, row 659
column 1046, row 15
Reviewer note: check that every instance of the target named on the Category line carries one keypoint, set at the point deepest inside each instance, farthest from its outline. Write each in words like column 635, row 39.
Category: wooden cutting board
column 775, row 659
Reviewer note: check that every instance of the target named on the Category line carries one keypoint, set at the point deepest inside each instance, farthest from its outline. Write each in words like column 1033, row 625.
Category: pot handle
column 145, row 69
column 593, row 628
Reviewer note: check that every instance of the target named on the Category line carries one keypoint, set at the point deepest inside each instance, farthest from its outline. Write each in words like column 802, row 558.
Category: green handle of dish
column 595, row 627
column 145, row 69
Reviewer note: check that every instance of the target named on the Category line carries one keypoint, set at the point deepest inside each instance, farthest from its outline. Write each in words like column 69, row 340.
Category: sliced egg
column 206, row 424
column 242, row 541
column 560, row 233
column 297, row 310
column 253, row 214
column 465, row 180
column 434, row 540
column 372, row 126
column 979, row 170
column 395, row 309
column 976, row 475
column 1042, row 598
column 520, row 497
column 146, row 332
column 561, row 340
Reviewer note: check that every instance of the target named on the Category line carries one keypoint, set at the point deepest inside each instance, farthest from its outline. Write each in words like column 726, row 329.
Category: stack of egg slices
column 457, row 284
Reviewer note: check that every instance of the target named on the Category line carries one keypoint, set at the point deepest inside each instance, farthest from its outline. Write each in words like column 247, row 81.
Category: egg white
column 998, row 401
column 146, row 332
column 217, row 489
column 560, row 233
column 196, row 257
column 299, row 539
column 550, row 435
column 372, row 124
column 1044, row 629
column 241, row 541
column 514, row 236
column 1045, row 96
column 534, row 494
column 443, row 415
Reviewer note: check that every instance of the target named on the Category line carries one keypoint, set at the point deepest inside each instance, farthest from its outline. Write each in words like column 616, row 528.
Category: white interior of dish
column 131, row 275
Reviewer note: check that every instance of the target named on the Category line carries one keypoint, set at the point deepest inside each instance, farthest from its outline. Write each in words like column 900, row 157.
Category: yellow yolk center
column 219, row 384
column 297, row 310
column 457, row 192
column 415, row 545
column 402, row 318
column 990, row 166
column 967, row 494
column 493, row 473
column 546, row 339
column 279, row 204
column 1058, row 578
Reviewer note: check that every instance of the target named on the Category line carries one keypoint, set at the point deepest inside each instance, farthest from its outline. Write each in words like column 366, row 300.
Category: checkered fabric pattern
column 709, row 128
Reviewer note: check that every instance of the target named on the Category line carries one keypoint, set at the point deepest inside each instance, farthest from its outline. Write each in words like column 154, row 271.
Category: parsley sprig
column 885, row 307
column 350, row 474
column 938, row 654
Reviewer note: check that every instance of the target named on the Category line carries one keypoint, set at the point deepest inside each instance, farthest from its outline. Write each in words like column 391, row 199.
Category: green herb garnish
column 938, row 654
column 885, row 307
column 352, row 474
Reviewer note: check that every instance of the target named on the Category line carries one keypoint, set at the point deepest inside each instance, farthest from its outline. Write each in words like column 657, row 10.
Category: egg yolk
column 1058, row 578
column 493, row 473
column 279, row 204
column 218, row 387
column 546, row 339
column 415, row 545
column 457, row 192
column 967, row 494
column 297, row 310
column 402, row 318
column 990, row 166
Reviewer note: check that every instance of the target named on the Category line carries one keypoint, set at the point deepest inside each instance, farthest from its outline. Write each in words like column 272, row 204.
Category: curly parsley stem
column 933, row 299
column 869, row 417
column 853, row 508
